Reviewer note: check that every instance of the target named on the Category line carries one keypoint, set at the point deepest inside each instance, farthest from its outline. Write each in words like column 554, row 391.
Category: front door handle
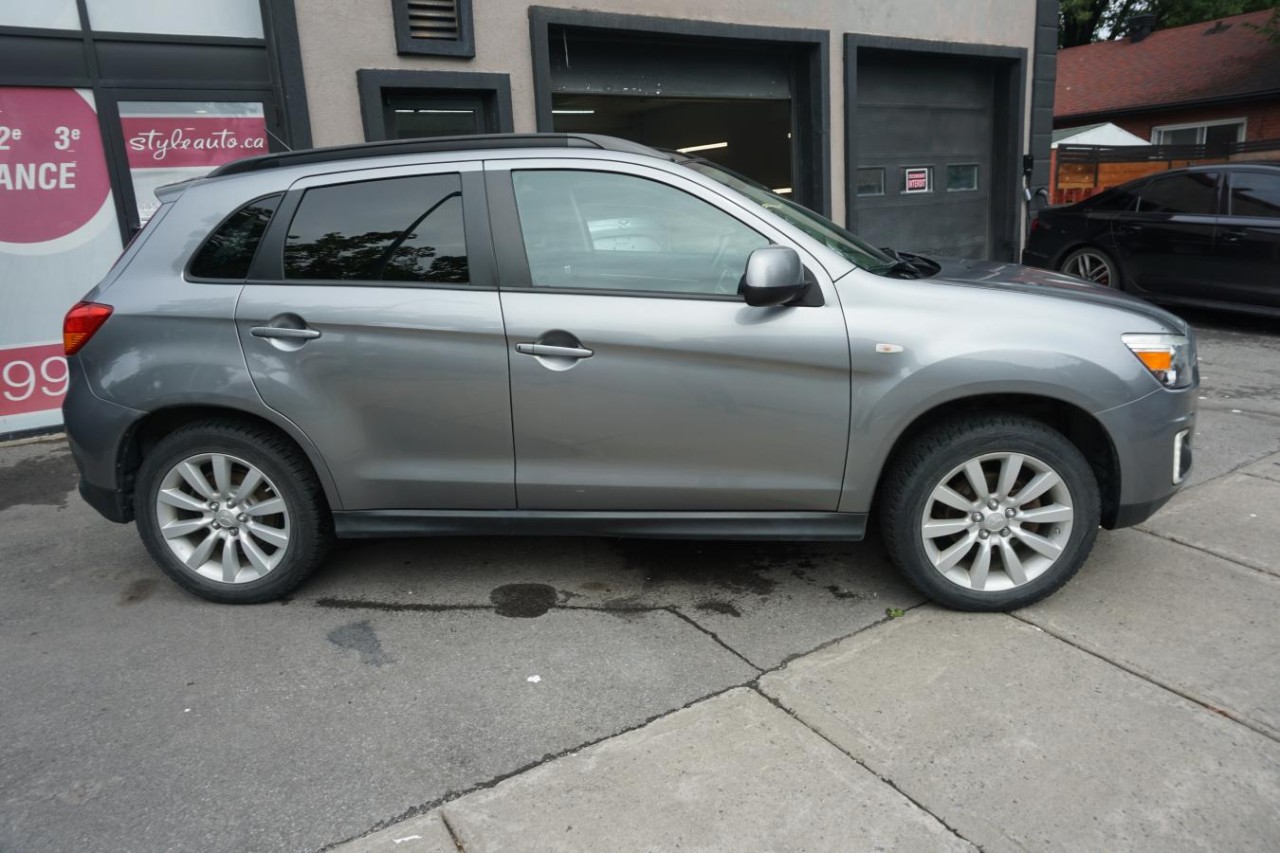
column 284, row 332
column 550, row 351
column 1235, row 235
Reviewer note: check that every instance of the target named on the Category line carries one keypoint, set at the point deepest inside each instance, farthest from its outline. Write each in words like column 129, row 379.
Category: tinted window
column 229, row 251
column 395, row 229
column 1114, row 200
column 1193, row 192
column 618, row 232
column 1255, row 194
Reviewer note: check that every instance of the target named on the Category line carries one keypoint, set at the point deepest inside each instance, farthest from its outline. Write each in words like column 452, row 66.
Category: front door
column 640, row 380
column 1165, row 246
column 372, row 322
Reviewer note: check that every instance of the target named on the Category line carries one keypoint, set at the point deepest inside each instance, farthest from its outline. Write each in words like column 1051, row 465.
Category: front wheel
column 232, row 512
column 990, row 513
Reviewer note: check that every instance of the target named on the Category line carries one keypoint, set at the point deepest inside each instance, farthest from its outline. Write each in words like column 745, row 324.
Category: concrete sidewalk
column 1139, row 710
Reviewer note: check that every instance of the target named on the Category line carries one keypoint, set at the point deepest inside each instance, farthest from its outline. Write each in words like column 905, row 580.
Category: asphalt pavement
column 583, row 694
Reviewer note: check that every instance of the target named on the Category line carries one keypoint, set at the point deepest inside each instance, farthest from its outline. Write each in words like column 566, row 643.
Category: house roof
column 1215, row 60
column 1068, row 132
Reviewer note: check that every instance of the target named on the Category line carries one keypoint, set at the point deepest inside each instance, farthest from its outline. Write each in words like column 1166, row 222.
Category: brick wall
column 1263, row 119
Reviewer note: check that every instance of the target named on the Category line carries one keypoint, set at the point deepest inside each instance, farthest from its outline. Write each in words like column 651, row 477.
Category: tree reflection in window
column 398, row 229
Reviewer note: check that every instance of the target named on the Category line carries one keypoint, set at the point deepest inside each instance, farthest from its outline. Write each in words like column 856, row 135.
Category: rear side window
column 1193, row 192
column 1117, row 200
column 229, row 251
column 1255, row 194
column 393, row 229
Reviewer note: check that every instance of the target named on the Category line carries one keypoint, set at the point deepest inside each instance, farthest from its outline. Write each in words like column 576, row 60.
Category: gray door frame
column 1010, row 66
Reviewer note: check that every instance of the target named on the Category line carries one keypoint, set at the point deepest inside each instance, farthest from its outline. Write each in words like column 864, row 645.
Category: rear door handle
column 1235, row 235
column 550, row 351
column 284, row 332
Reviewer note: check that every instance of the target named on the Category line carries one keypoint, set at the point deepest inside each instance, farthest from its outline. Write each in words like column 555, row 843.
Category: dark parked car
column 1206, row 236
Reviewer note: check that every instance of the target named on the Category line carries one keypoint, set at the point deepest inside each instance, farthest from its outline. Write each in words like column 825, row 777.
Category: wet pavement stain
column 359, row 637
column 524, row 600
column 838, row 592
column 139, row 590
column 731, row 566
column 721, row 607
column 43, row 481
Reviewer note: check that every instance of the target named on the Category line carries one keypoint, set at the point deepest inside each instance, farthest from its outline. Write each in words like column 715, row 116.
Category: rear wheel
column 232, row 512
column 1093, row 265
column 990, row 513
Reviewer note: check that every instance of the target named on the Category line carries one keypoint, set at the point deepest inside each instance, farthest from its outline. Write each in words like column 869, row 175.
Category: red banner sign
column 165, row 142
column 32, row 378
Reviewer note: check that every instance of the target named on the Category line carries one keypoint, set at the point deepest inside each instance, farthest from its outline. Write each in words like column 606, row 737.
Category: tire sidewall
column 1045, row 445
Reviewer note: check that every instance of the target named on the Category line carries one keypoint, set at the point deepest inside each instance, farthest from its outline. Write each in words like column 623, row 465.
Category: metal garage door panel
column 926, row 112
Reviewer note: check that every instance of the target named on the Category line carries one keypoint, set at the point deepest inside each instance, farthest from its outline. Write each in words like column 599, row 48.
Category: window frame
column 187, row 275
column 879, row 170
column 1201, row 128
column 268, row 264
column 1219, row 184
column 977, row 177
column 513, row 264
column 464, row 45
column 1229, row 191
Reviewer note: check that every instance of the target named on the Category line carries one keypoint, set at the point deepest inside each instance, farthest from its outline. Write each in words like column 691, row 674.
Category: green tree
column 1085, row 21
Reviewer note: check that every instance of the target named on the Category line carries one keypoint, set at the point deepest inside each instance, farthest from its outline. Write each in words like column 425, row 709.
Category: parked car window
column 1255, row 194
column 394, row 229
column 1192, row 192
column 1117, row 200
column 620, row 232
column 229, row 251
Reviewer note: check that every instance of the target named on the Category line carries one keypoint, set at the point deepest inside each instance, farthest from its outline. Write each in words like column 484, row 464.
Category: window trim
column 1229, row 191
column 462, row 46
column 1202, row 126
column 187, row 275
column 494, row 91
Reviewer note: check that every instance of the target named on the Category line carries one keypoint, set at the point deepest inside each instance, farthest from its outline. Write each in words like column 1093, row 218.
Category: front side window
column 1255, row 194
column 1192, row 192
column 393, row 229
column 600, row 230
column 229, row 251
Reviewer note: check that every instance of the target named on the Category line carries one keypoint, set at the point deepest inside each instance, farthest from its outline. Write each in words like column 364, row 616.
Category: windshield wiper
column 907, row 265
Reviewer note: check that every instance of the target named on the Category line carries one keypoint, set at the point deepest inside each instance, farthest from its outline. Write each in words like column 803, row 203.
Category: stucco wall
column 340, row 36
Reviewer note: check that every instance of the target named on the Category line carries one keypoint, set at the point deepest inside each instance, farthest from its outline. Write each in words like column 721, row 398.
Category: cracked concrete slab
column 1198, row 624
column 1268, row 468
column 424, row 834
column 1020, row 741
column 729, row 773
column 1236, row 517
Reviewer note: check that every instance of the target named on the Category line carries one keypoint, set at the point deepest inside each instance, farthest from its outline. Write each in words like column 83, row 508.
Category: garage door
column 924, row 139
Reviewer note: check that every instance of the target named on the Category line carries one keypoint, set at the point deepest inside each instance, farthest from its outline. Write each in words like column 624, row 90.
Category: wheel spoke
column 200, row 555
column 952, row 555
column 195, row 479
column 1010, row 467
column 1039, row 544
column 257, row 559
column 1012, row 564
column 230, row 560
column 182, row 500
column 270, row 535
column 934, row 528
column 1039, row 484
column 248, row 485
column 222, row 474
column 1046, row 514
column 174, row 529
column 944, row 494
column 977, row 479
column 270, row 506
column 981, row 564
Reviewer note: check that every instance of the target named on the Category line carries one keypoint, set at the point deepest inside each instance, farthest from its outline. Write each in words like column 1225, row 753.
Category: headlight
column 1167, row 356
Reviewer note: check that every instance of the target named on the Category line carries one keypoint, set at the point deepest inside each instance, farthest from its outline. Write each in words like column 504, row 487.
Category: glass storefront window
column 242, row 18
column 168, row 141
column 44, row 14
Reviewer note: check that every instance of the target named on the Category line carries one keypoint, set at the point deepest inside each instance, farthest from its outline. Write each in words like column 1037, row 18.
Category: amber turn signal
column 80, row 324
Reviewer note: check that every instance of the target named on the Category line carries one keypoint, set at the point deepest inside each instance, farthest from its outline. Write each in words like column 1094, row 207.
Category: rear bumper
column 96, row 431
column 1032, row 258
column 1153, row 441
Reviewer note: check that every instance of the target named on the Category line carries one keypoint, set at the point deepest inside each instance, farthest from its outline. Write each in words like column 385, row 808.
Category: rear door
column 1166, row 245
column 1248, row 244
column 371, row 320
column 640, row 379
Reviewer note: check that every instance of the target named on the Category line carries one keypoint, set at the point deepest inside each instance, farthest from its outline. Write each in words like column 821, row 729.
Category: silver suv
column 577, row 335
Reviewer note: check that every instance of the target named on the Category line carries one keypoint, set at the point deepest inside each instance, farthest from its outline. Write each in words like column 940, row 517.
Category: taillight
column 81, row 323
column 1035, row 224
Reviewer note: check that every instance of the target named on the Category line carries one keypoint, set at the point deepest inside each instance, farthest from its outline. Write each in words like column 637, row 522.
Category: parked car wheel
column 1092, row 265
column 232, row 512
column 990, row 513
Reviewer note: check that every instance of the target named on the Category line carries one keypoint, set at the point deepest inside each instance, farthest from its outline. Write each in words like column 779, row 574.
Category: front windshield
column 843, row 242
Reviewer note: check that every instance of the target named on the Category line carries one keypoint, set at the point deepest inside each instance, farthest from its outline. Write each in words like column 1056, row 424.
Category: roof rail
column 432, row 145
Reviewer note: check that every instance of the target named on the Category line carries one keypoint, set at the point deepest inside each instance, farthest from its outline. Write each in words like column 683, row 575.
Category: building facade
column 908, row 121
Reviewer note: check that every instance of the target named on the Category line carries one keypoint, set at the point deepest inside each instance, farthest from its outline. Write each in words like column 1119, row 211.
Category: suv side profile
column 577, row 335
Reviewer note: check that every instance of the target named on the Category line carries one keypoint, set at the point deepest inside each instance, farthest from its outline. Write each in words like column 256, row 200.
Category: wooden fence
column 1079, row 171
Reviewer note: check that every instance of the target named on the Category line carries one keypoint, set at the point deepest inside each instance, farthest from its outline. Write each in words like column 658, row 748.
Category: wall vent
column 433, row 19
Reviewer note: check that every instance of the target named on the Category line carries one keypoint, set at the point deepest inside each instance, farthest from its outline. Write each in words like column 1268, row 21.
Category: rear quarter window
column 228, row 251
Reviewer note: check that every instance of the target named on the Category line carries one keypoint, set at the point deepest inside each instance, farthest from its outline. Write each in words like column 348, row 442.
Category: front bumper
column 1153, row 443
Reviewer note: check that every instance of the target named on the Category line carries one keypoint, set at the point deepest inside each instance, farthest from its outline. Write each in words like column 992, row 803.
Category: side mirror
column 774, row 276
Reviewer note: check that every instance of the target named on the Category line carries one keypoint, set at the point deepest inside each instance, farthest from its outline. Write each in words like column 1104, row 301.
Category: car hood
column 1010, row 276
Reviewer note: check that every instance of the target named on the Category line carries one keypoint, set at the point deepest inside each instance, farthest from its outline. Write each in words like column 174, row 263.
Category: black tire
column 1112, row 279
column 925, row 463
column 310, row 521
